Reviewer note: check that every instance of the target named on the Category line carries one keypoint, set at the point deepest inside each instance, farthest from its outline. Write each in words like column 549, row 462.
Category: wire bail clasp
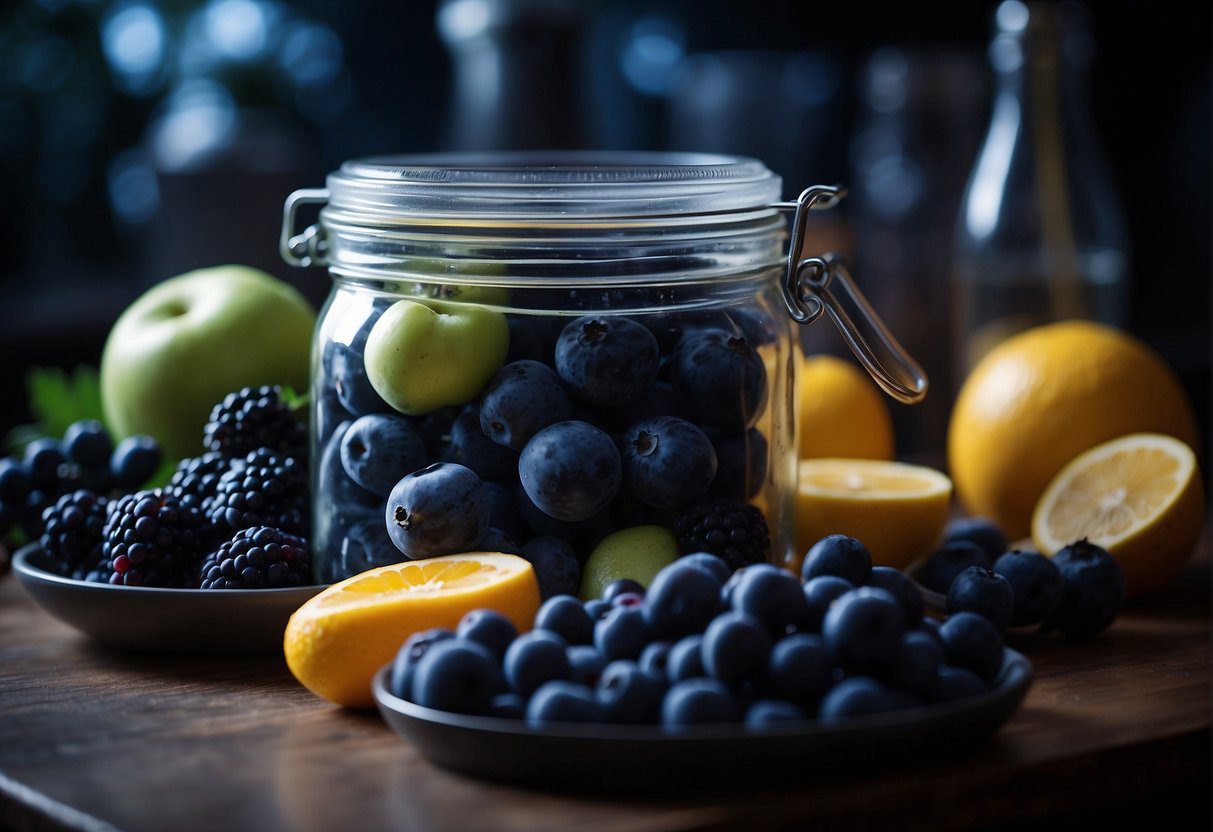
column 812, row 285
column 309, row 247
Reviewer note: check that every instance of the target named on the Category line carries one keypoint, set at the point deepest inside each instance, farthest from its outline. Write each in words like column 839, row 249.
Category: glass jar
column 652, row 296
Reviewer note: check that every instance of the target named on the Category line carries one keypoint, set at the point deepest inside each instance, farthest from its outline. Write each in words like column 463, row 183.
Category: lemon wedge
column 337, row 640
column 897, row 510
column 1139, row 496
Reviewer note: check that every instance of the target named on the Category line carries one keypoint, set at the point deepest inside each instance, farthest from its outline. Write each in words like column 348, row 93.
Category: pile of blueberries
column 592, row 425
column 1077, row 592
column 84, row 458
column 706, row 645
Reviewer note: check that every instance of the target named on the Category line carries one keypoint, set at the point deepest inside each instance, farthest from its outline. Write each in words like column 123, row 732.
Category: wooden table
column 93, row 739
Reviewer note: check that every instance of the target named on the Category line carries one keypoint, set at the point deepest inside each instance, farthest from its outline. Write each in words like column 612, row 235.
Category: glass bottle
column 1042, row 232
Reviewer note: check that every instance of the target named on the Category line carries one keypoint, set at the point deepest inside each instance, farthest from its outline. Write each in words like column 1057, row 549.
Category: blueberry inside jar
column 583, row 343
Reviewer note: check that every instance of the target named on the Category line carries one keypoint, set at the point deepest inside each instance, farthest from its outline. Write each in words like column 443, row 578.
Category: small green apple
column 189, row 341
column 421, row 356
column 639, row 553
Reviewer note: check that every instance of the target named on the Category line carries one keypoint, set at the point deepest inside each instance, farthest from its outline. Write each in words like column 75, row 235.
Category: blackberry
column 195, row 483
column 260, row 557
column 252, row 418
column 152, row 540
column 732, row 530
column 265, row 490
column 73, row 532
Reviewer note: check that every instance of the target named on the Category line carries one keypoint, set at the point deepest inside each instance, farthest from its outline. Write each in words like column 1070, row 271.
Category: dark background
column 93, row 212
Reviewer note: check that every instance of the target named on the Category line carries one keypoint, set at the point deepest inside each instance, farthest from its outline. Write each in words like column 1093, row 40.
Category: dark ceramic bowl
column 151, row 620
column 597, row 758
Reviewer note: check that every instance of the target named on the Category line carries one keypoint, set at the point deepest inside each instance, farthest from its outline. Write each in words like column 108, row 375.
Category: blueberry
column 838, row 555
column 570, row 470
column 88, row 444
column 439, row 510
column 668, row 463
column 562, row 701
column 773, row 597
column 14, row 481
column 697, row 702
column 628, row 599
column 741, row 464
column 377, row 450
column 366, row 544
column 771, row 713
column 619, row 587
column 42, row 460
column 801, row 668
column 585, row 664
column 655, row 657
column 503, row 512
column 930, row 626
column 685, row 660
column 134, row 461
column 857, row 696
column 507, row 706
column 1036, row 583
column 435, row 429
column 457, row 675
column 490, row 628
column 863, row 628
column 1094, row 591
column 470, row 447
column 734, row 581
column 534, row 658
column 710, row 563
column 336, row 484
column 606, row 360
column 980, row 531
column 947, row 562
column 556, row 567
column 917, row 663
column 521, row 400
column 971, row 641
column 736, row 647
column 400, row 683
column 953, row 683
column 984, row 592
column 720, row 379
column 681, row 600
column 564, row 615
column 901, row 587
column 630, row 695
column 596, row 608
column 347, row 375
column 495, row 540
column 622, row 633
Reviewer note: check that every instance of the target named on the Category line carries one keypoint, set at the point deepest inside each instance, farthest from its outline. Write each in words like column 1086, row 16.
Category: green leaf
column 293, row 400
column 56, row 400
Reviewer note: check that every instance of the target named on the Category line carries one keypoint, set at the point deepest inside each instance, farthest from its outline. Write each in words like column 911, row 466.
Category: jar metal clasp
column 813, row 285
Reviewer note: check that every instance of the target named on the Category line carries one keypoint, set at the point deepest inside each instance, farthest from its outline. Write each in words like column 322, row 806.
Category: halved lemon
column 336, row 641
column 897, row 510
column 1139, row 496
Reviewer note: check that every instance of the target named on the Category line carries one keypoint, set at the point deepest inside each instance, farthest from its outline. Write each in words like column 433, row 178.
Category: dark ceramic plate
column 150, row 620
column 644, row 758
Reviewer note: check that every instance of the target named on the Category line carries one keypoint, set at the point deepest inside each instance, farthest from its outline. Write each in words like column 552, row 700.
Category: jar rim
column 555, row 186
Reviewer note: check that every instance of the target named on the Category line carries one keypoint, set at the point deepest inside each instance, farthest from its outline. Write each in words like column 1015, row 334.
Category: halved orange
column 337, row 640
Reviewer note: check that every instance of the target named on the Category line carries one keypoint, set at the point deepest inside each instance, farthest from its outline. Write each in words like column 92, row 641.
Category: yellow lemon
column 1140, row 497
column 842, row 412
column 897, row 510
column 1042, row 397
column 336, row 641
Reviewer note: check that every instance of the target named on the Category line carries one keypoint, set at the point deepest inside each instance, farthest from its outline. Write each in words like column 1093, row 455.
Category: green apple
column 639, row 553
column 421, row 356
column 189, row 341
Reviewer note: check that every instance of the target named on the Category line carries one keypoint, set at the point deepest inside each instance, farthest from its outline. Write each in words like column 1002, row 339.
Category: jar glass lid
column 551, row 185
